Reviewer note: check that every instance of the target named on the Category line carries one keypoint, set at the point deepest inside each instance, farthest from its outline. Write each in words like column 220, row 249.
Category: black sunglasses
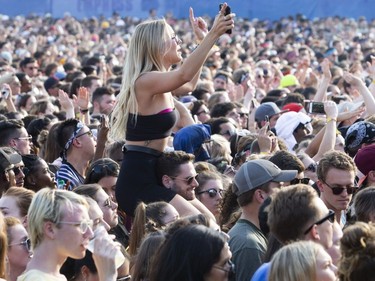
column 330, row 217
column 105, row 168
column 188, row 180
column 212, row 192
column 337, row 190
column 16, row 170
column 297, row 181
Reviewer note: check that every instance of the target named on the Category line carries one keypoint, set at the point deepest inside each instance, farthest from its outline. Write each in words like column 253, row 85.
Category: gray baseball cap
column 267, row 108
column 7, row 159
column 254, row 173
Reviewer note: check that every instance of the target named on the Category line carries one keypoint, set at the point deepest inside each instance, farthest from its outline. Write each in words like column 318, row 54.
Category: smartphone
column 315, row 107
column 227, row 12
column 267, row 119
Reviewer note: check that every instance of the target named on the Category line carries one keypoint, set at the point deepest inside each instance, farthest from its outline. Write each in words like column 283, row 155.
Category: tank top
column 150, row 127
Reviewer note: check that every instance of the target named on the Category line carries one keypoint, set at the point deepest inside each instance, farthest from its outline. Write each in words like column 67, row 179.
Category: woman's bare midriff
column 159, row 144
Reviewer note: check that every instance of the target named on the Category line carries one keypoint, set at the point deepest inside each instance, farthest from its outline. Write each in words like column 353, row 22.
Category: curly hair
column 358, row 253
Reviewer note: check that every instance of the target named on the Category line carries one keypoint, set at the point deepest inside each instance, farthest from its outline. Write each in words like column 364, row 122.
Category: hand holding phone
column 267, row 119
column 227, row 12
column 315, row 107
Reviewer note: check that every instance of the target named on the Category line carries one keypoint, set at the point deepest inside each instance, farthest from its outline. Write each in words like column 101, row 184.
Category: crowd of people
column 202, row 149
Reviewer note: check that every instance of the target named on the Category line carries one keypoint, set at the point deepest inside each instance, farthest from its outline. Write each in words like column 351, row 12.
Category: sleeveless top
column 150, row 127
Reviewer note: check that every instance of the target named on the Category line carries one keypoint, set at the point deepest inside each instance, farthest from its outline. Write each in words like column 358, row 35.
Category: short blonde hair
column 50, row 205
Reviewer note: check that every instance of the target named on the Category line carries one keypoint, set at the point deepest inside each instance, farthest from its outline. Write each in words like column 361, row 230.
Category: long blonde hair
column 146, row 49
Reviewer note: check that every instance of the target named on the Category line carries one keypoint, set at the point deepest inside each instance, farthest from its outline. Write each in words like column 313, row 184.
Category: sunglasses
column 103, row 169
column 228, row 132
column 83, row 225
column 337, row 190
column 297, row 181
column 188, row 180
column 16, row 170
column 89, row 133
column 26, row 243
column 330, row 217
column 231, row 270
column 212, row 192
column 203, row 111
column 28, row 138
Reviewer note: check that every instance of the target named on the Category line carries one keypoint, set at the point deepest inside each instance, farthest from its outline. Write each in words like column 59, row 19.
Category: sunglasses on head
column 297, row 181
column 104, row 169
column 212, row 192
column 337, row 190
column 330, row 217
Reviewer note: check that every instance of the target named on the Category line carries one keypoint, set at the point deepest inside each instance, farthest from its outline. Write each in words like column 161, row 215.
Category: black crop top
column 150, row 127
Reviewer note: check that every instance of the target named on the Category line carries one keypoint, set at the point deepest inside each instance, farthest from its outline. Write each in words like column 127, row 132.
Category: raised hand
column 83, row 99
column 199, row 26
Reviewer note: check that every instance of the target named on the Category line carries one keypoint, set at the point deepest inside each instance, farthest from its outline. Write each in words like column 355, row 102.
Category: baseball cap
column 7, row 160
column 267, row 108
column 359, row 133
column 289, row 80
column 296, row 107
column 51, row 82
column 363, row 160
column 191, row 138
column 254, row 173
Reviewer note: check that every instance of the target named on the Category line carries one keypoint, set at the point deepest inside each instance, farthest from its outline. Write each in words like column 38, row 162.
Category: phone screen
column 316, row 108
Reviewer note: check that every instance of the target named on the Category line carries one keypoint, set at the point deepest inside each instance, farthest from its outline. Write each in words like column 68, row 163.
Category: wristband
column 331, row 119
column 83, row 111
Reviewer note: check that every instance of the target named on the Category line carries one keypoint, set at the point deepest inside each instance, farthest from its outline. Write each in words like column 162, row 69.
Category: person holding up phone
column 147, row 110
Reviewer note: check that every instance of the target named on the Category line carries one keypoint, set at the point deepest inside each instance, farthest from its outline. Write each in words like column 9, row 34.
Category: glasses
column 188, row 180
column 108, row 203
column 101, row 170
column 26, row 243
column 303, row 181
column 203, row 112
column 32, row 67
column 177, row 39
column 212, row 192
column 28, row 138
column 228, row 132
column 16, row 170
column 242, row 115
column 337, row 190
column 89, row 133
column 231, row 270
column 312, row 167
column 330, row 217
column 83, row 225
